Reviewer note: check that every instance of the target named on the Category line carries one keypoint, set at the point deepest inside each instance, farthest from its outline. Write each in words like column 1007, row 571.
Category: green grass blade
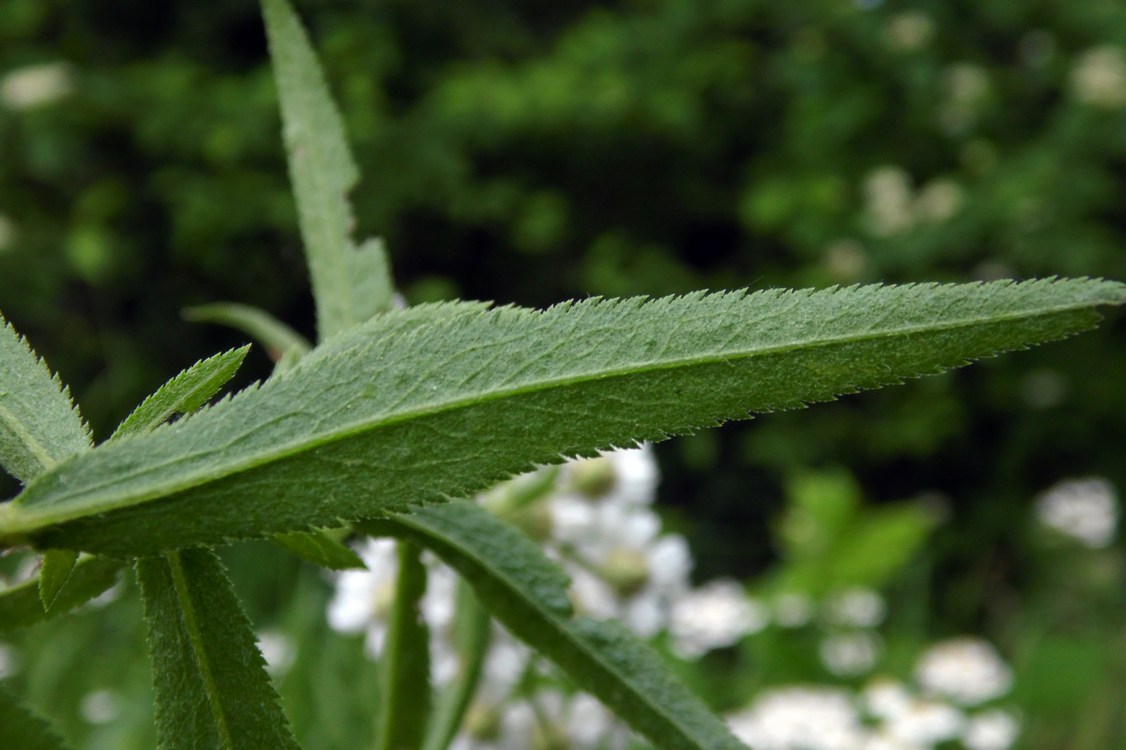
column 210, row 681
column 350, row 283
column 450, row 408
column 21, row 606
column 183, row 394
column 274, row 335
column 39, row 425
column 57, row 567
column 404, row 695
column 20, row 729
column 527, row 593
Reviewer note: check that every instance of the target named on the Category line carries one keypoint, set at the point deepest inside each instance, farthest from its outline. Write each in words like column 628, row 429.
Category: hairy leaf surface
column 527, row 593
column 20, row 729
column 39, row 426
column 350, row 283
column 451, row 407
column 21, row 606
column 209, row 678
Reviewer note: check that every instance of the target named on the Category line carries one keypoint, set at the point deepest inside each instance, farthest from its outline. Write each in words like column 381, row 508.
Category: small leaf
column 349, row 283
column 57, row 567
column 39, row 425
column 404, row 695
column 453, row 406
column 183, row 394
column 20, row 729
column 209, row 678
column 320, row 548
column 21, row 606
column 275, row 336
column 528, row 595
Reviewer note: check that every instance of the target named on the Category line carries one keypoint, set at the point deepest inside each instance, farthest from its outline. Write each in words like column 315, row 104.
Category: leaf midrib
column 33, row 518
column 35, row 448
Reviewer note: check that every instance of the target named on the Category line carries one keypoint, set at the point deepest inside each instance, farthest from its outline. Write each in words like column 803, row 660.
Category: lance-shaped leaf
column 527, row 593
column 350, row 283
column 20, row 729
column 57, row 567
column 184, row 393
column 452, row 407
column 21, row 606
column 209, row 678
column 39, row 426
column 274, row 335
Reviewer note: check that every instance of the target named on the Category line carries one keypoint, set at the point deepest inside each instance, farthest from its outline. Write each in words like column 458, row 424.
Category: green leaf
column 320, row 548
column 528, row 595
column 39, row 425
column 57, row 567
column 350, row 283
column 472, row 634
column 21, row 606
column 454, row 406
column 405, row 663
column 210, row 681
column 20, row 729
column 183, row 394
column 275, row 336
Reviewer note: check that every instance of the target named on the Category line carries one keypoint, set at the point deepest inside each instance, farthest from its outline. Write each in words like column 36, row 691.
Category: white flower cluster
column 36, row 85
column 953, row 679
column 1099, row 77
column 892, row 206
column 1083, row 509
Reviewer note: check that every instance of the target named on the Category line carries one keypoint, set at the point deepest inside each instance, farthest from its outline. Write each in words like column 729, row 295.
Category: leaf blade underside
column 451, row 407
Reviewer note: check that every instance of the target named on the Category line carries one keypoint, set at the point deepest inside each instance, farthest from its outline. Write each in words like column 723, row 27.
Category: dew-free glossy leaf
column 449, row 408
column 350, row 283
column 39, row 425
column 21, row 606
column 184, row 393
column 276, row 336
column 527, row 593
column 210, row 680
column 20, row 729
column 57, row 567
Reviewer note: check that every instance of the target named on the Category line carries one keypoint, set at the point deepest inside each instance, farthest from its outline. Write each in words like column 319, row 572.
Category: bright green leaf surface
column 350, row 283
column 22, row 730
column 184, row 393
column 57, row 567
column 451, row 407
column 527, row 593
column 21, row 606
column 39, row 426
column 277, row 337
column 209, row 678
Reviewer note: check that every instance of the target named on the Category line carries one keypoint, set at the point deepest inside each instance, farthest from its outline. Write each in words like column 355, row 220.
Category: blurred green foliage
column 531, row 152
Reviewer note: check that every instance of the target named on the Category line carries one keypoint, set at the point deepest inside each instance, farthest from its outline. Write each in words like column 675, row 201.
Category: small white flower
column 855, row 607
column 850, row 654
column 36, row 85
column 1099, row 77
column 925, row 723
column 991, row 730
column 1084, row 509
column 800, row 718
column 715, row 615
column 909, row 30
column 885, row 698
column 938, row 200
column 277, row 649
column 888, row 201
column 100, row 706
column 966, row 670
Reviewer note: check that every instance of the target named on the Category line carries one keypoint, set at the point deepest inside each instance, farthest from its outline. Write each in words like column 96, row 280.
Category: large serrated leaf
column 20, row 729
column 350, row 283
column 209, row 678
column 451, row 407
column 527, row 593
column 39, row 426
column 21, row 606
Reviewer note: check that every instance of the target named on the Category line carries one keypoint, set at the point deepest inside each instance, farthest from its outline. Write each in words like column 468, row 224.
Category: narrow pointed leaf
column 20, row 729
column 183, row 394
column 57, row 567
column 527, row 593
column 320, row 548
column 274, row 335
column 404, row 696
column 209, row 678
column 39, row 425
column 21, row 606
column 349, row 283
column 450, row 408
